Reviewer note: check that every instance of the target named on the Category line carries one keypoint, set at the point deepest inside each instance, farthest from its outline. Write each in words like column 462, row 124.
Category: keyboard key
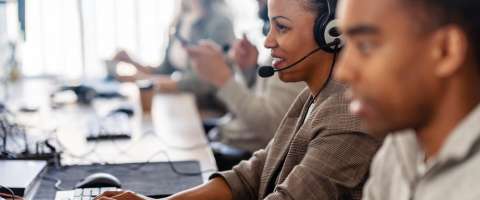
column 78, row 192
column 87, row 192
column 95, row 192
column 82, row 194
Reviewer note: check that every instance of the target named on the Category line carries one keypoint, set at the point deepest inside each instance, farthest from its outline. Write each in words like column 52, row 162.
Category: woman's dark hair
column 439, row 13
column 320, row 6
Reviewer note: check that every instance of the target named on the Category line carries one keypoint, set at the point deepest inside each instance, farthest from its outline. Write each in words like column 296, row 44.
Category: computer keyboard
column 82, row 194
column 114, row 126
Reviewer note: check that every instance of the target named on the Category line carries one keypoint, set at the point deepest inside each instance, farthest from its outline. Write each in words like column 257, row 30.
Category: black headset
column 325, row 30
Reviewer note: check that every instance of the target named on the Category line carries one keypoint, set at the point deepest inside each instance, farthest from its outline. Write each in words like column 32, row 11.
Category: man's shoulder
column 388, row 156
column 387, row 178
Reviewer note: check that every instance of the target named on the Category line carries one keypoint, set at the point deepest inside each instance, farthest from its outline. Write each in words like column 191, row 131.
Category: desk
column 173, row 127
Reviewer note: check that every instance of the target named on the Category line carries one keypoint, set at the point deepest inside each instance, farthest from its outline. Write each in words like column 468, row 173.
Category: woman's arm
column 215, row 189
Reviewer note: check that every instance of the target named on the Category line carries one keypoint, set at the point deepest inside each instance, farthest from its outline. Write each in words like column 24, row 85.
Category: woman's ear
column 450, row 50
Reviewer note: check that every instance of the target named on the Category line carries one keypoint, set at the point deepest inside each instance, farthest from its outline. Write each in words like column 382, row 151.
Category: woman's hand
column 209, row 62
column 121, row 195
column 216, row 188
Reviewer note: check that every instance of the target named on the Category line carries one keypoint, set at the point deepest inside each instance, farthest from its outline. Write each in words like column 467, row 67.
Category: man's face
column 388, row 65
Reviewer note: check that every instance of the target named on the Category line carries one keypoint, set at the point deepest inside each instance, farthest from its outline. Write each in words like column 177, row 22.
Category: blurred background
column 72, row 38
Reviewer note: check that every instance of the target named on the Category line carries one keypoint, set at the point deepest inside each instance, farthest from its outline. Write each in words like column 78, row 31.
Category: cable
column 187, row 148
column 171, row 164
column 81, row 156
column 12, row 194
column 141, row 165
column 9, row 190
column 330, row 73
column 162, row 151
column 169, row 160
column 58, row 182
column 13, row 133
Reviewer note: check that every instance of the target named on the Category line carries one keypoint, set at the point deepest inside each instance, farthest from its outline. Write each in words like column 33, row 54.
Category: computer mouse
column 99, row 180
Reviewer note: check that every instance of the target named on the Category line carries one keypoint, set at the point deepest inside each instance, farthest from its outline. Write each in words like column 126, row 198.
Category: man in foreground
column 413, row 67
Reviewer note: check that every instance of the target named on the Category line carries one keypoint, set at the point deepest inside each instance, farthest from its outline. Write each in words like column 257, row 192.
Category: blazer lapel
column 282, row 140
column 292, row 134
column 308, row 130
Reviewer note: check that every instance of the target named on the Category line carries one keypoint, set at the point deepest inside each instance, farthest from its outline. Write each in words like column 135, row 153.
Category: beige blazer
column 326, row 157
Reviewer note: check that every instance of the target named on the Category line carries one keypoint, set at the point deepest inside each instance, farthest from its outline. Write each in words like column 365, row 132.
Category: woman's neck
column 320, row 75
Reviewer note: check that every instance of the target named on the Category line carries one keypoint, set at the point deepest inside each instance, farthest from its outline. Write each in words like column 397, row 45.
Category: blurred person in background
column 256, row 111
column 196, row 20
column 413, row 67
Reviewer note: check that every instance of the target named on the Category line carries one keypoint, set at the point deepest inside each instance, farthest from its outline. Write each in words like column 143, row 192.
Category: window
column 54, row 47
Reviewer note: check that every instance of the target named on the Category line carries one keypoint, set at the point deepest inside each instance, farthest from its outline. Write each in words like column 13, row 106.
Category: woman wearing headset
column 319, row 150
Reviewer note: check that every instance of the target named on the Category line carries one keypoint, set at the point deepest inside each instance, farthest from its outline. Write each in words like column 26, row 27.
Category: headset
column 326, row 34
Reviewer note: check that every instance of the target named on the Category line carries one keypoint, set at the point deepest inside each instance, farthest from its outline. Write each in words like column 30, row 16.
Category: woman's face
column 291, row 38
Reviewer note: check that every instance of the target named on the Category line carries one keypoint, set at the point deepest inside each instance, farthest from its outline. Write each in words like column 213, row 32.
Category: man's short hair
column 464, row 13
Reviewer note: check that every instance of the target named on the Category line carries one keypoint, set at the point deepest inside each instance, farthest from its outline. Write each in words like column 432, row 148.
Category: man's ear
column 450, row 50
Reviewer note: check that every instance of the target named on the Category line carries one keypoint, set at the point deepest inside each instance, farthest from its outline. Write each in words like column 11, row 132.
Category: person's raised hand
column 122, row 56
column 244, row 53
column 209, row 63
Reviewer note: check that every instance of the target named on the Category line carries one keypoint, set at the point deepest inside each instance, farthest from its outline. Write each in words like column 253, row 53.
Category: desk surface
column 173, row 130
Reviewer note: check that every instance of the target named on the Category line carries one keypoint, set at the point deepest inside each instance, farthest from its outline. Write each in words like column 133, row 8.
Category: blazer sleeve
column 335, row 162
column 244, row 178
column 190, row 82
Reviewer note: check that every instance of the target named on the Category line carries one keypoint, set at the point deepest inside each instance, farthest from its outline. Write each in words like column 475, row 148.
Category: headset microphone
column 268, row 71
